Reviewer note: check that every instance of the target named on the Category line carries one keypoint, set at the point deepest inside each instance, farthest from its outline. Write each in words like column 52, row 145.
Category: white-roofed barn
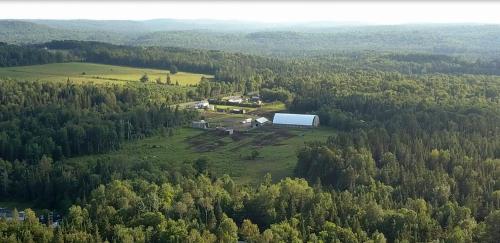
column 297, row 120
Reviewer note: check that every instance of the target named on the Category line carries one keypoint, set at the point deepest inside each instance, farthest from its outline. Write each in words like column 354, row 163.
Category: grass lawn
column 228, row 154
column 97, row 73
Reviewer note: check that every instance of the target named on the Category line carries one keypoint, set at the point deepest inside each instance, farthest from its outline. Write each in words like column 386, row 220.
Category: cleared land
column 96, row 73
column 227, row 154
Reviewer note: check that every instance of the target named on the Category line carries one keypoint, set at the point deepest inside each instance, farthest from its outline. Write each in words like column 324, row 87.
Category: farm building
column 255, row 98
column 225, row 131
column 298, row 120
column 238, row 111
column 260, row 122
column 201, row 104
column 7, row 214
column 235, row 100
column 199, row 124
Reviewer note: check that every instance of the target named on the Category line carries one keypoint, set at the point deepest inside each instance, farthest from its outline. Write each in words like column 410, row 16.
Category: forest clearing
column 97, row 73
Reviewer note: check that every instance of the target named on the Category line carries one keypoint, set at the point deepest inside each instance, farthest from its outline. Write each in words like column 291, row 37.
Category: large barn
column 298, row 120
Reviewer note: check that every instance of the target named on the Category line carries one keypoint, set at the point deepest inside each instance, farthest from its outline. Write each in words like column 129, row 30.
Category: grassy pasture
column 96, row 73
column 227, row 154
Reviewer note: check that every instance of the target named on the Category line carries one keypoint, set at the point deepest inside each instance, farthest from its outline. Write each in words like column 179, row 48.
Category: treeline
column 207, row 88
column 408, row 63
column 225, row 66
column 14, row 55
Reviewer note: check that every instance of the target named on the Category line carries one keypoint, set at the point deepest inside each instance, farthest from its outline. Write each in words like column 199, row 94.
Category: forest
column 415, row 156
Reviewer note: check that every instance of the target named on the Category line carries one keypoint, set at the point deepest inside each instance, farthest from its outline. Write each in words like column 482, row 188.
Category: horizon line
column 337, row 22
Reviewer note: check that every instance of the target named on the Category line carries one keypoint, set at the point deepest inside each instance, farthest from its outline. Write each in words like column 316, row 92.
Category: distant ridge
column 291, row 39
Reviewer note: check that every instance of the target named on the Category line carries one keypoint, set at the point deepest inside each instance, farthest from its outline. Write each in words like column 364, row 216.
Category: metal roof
column 293, row 119
column 262, row 120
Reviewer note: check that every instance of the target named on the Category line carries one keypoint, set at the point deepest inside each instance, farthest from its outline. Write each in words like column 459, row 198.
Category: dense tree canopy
column 415, row 156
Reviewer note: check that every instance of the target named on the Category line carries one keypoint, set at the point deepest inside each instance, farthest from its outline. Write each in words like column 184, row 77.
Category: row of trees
column 14, row 55
column 200, row 209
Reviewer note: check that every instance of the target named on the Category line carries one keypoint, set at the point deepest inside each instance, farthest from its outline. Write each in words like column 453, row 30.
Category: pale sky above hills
column 369, row 12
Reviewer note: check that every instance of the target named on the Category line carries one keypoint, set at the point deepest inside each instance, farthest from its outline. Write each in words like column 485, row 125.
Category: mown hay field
column 96, row 73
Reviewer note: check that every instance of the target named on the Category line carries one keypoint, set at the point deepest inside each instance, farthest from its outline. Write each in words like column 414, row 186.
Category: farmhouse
column 200, row 124
column 235, row 100
column 296, row 120
column 261, row 121
column 7, row 214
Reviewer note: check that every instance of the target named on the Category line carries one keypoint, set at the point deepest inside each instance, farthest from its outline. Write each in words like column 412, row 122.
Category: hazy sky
column 369, row 12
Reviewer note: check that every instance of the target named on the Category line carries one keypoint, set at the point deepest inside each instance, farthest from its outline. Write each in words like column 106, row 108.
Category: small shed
column 248, row 120
column 261, row 121
column 238, row 111
column 229, row 131
column 225, row 131
column 200, row 124
column 255, row 98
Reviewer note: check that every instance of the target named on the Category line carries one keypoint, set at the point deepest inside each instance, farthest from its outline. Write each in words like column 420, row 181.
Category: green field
column 96, row 73
column 227, row 154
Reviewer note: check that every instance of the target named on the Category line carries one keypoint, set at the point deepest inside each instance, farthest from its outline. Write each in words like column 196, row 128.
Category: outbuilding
column 238, row 111
column 201, row 104
column 235, row 100
column 225, row 131
column 295, row 120
column 200, row 124
column 261, row 121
